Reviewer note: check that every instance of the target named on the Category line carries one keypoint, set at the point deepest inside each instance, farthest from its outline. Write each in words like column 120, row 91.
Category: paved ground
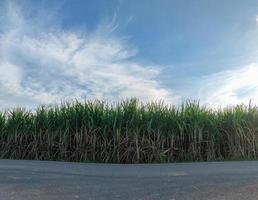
column 41, row 180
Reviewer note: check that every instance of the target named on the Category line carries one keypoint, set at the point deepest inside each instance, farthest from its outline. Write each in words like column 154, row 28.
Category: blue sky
column 169, row 49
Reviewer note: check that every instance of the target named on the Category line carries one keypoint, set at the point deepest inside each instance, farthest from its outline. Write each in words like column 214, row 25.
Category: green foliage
column 130, row 132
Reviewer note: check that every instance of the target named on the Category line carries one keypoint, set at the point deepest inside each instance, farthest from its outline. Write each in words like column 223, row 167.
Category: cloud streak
column 231, row 87
column 41, row 63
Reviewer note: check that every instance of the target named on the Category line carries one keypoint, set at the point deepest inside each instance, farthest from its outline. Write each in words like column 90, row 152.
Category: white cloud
column 44, row 64
column 231, row 87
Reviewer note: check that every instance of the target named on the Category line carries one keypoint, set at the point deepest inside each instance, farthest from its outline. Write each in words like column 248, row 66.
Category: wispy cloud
column 231, row 87
column 41, row 63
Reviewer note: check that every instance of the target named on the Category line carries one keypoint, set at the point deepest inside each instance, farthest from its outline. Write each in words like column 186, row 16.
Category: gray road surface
column 42, row 180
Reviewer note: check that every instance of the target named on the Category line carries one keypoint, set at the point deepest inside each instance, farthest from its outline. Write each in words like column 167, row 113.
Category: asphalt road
column 42, row 180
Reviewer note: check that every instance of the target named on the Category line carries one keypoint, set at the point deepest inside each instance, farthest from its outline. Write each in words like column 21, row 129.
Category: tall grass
column 129, row 132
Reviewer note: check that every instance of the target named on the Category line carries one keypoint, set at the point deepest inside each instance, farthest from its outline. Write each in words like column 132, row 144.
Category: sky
column 169, row 50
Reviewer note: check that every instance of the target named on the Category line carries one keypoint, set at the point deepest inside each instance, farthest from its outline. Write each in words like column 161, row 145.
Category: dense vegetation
column 129, row 132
